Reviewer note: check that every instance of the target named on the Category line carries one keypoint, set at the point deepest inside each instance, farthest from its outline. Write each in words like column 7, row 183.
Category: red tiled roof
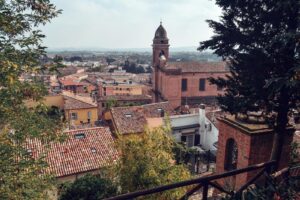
column 70, row 82
column 129, row 119
column 134, row 119
column 72, row 103
column 76, row 155
column 125, row 97
column 191, row 67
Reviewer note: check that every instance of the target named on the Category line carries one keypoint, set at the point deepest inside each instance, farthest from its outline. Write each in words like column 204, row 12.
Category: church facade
column 182, row 83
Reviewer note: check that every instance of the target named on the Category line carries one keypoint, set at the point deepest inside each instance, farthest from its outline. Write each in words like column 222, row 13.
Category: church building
column 182, row 83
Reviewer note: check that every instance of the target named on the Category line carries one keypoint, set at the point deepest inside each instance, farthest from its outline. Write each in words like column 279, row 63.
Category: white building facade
column 196, row 130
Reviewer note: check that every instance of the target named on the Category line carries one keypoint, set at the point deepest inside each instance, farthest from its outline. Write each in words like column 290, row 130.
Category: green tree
column 147, row 161
column 260, row 41
column 139, row 70
column 89, row 187
column 111, row 102
column 21, row 176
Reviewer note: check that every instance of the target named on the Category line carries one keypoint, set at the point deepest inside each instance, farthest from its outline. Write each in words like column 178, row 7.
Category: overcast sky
column 129, row 23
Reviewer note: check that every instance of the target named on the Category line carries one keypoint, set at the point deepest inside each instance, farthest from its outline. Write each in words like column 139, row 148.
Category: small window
column 190, row 140
column 201, row 84
column 184, row 84
column 219, row 88
column 29, row 152
column 79, row 136
column 183, row 138
column 197, row 140
column 208, row 127
column 161, row 111
column 93, row 150
column 89, row 114
column 74, row 116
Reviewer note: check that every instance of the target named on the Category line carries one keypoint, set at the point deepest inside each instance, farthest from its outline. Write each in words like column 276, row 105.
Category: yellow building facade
column 122, row 89
column 83, row 116
column 80, row 111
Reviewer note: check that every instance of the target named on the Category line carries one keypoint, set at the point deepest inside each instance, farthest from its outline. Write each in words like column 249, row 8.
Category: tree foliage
column 260, row 42
column 147, row 161
column 20, row 51
column 133, row 68
column 89, row 187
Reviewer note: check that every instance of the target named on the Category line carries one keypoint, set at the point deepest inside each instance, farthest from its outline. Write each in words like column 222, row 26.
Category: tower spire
column 160, row 21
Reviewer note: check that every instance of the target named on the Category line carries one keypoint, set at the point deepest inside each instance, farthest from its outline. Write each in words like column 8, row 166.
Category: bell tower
column 160, row 56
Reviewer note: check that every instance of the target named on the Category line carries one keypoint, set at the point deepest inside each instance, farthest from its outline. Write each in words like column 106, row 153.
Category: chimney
column 162, row 113
column 202, row 123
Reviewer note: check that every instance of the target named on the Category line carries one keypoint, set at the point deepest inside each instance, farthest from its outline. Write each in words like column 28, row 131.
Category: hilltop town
column 221, row 121
column 111, row 94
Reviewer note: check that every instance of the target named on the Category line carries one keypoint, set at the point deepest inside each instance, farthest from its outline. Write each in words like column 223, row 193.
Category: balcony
column 201, row 188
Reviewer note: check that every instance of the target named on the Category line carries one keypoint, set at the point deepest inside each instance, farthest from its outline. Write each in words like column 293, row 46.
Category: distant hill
column 93, row 49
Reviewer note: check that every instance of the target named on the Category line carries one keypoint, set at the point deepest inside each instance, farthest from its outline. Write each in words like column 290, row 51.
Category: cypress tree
column 260, row 41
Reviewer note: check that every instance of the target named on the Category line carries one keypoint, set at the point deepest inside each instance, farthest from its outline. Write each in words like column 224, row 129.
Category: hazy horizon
column 128, row 24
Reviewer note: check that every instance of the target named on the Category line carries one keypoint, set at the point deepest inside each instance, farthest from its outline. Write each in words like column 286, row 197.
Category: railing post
column 208, row 161
column 268, row 170
column 205, row 191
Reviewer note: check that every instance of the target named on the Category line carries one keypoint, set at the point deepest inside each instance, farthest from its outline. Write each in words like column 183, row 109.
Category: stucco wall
column 82, row 115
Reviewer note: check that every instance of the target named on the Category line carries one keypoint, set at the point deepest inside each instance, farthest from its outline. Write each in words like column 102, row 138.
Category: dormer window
column 93, row 150
column 161, row 111
column 29, row 152
column 79, row 136
column 208, row 126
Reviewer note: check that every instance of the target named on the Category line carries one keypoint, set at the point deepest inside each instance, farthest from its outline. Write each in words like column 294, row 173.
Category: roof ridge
column 91, row 128
column 140, row 106
column 165, row 102
column 80, row 100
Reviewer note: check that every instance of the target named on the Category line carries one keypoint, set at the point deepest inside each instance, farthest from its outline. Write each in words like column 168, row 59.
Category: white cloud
column 129, row 23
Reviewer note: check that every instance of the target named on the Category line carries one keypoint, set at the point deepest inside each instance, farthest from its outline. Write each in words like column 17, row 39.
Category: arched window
column 231, row 155
column 162, row 53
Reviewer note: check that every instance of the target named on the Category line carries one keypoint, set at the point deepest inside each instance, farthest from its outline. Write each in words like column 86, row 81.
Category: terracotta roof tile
column 72, row 103
column 186, row 67
column 84, row 150
column 125, row 97
column 70, row 82
column 134, row 119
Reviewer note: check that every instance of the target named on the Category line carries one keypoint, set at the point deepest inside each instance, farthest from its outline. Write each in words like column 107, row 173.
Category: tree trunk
column 280, row 127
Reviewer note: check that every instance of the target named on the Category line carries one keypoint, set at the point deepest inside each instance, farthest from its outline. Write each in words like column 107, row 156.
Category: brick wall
column 193, row 84
column 170, row 86
column 252, row 149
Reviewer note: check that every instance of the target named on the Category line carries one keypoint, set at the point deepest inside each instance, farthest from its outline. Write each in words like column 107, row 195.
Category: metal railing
column 205, row 183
